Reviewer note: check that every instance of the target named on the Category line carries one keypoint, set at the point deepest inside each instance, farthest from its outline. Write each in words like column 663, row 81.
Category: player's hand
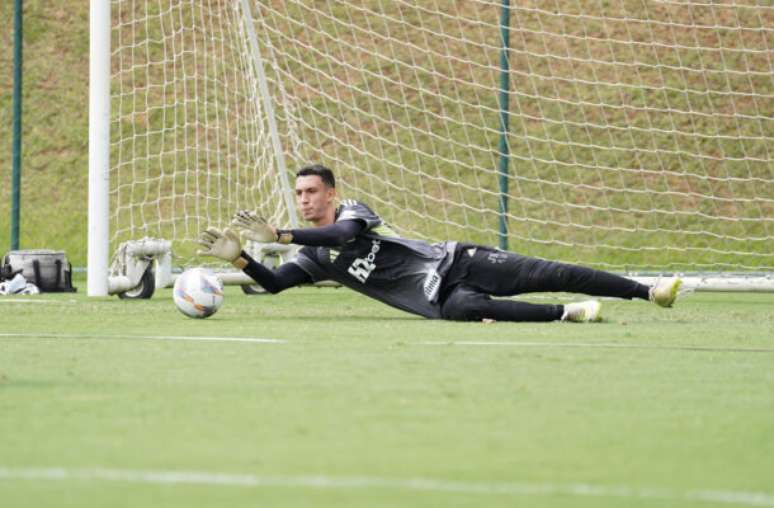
column 253, row 227
column 224, row 245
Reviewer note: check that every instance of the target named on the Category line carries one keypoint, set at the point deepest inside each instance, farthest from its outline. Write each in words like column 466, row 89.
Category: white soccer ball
column 198, row 293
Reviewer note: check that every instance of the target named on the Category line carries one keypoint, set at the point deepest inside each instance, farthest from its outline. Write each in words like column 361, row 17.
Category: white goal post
column 635, row 137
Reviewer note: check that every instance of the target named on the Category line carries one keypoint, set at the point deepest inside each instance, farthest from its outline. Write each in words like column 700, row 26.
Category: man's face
column 315, row 200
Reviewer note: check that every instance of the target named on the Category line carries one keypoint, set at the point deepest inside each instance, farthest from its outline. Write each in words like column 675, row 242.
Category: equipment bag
column 47, row 269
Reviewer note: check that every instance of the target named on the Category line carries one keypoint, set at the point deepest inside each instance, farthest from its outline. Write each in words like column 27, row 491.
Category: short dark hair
column 318, row 170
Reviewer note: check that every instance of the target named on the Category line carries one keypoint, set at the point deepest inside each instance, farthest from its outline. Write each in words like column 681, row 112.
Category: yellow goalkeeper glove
column 224, row 245
column 256, row 228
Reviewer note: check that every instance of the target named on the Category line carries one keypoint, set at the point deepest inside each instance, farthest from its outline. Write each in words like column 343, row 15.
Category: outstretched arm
column 327, row 236
column 273, row 281
column 257, row 229
column 226, row 246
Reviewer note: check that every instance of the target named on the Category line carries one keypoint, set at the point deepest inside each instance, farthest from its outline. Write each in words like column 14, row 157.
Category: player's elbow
column 342, row 238
column 278, row 287
column 273, row 289
column 344, row 232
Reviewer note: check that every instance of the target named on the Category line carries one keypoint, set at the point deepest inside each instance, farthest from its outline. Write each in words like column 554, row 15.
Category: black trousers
column 478, row 273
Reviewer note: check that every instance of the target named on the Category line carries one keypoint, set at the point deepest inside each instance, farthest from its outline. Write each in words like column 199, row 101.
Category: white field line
column 740, row 498
column 600, row 345
column 30, row 300
column 259, row 340
column 255, row 340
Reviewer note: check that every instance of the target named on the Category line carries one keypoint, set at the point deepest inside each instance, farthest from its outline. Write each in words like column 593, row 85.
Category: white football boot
column 664, row 292
column 582, row 312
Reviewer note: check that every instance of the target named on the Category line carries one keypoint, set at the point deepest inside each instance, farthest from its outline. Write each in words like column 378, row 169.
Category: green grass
column 354, row 393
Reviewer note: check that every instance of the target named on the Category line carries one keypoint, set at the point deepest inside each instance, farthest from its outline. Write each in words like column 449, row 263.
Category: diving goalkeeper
column 351, row 245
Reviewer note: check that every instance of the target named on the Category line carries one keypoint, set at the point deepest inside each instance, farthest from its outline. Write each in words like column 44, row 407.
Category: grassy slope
column 355, row 393
column 55, row 122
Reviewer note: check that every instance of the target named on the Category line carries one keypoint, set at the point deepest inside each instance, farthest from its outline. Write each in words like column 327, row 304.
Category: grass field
column 112, row 403
column 321, row 397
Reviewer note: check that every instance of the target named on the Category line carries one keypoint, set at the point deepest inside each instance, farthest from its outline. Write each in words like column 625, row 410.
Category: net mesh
column 639, row 133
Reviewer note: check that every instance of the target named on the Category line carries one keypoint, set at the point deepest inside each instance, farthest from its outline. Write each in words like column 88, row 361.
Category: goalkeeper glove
column 256, row 228
column 224, row 245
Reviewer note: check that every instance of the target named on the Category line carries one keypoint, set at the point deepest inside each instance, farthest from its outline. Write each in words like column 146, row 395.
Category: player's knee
column 463, row 305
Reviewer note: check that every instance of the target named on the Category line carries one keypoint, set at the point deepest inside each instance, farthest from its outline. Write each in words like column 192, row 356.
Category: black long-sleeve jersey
column 371, row 259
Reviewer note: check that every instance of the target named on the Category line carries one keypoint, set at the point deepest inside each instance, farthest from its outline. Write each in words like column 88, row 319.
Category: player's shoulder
column 307, row 256
column 306, row 250
column 309, row 260
column 352, row 209
column 353, row 204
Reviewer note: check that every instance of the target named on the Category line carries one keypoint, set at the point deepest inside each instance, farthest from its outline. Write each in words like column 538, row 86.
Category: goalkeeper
column 351, row 245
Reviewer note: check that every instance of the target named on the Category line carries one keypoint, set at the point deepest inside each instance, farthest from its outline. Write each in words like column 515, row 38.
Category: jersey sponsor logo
column 361, row 268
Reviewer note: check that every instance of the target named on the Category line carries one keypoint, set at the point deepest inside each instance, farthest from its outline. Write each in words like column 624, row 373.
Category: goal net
column 634, row 136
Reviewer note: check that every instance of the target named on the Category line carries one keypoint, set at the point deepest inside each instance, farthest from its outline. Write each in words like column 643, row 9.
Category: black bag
column 47, row 269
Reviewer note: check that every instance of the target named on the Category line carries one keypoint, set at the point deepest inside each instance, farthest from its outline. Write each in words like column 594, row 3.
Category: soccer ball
column 198, row 293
